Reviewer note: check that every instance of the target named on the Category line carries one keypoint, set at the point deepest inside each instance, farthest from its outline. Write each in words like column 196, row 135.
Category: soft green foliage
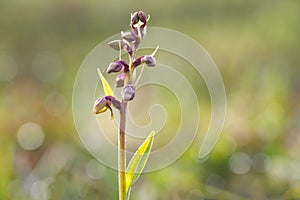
column 138, row 162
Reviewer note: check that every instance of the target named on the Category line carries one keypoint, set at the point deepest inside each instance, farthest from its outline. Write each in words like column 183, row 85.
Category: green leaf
column 107, row 89
column 138, row 162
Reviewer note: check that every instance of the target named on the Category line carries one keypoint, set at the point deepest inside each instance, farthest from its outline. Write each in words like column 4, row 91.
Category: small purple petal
column 142, row 17
column 100, row 105
column 149, row 60
column 114, row 67
column 129, row 36
column 120, row 80
column 116, row 44
column 134, row 19
column 128, row 93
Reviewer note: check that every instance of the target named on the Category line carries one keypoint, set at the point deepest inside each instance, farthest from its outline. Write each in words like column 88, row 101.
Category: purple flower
column 118, row 66
column 117, row 44
column 114, row 67
column 128, row 36
column 128, row 93
column 120, row 80
column 138, row 23
column 149, row 60
column 138, row 19
column 102, row 104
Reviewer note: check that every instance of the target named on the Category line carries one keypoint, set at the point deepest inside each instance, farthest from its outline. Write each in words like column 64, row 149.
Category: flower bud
column 120, row 80
column 101, row 105
column 117, row 44
column 128, row 93
column 149, row 60
column 138, row 20
column 128, row 36
column 114, row 67
column 118, row 66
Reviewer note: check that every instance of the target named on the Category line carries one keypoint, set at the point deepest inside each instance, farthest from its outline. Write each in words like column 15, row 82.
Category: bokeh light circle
column 30, row 136
column 240, row 163
column 8, row 68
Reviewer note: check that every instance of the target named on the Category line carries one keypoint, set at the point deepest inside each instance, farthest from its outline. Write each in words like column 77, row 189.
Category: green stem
column 121, row 139
column 122, row 152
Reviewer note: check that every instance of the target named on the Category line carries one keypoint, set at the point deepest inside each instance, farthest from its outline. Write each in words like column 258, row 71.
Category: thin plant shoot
column 129, row 43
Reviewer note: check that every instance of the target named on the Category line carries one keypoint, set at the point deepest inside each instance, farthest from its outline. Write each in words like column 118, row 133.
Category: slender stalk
column 122, row 140
column 122, row 151
column 129, row 43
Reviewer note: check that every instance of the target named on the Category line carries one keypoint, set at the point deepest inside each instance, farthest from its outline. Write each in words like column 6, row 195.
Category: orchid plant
column 129, row 42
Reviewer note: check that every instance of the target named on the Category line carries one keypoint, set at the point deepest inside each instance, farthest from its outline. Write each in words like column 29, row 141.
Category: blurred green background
column 256, row 45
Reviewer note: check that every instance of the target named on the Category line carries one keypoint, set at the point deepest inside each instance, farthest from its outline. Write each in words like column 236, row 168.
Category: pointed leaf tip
column 106, row 87
column 154, row 52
